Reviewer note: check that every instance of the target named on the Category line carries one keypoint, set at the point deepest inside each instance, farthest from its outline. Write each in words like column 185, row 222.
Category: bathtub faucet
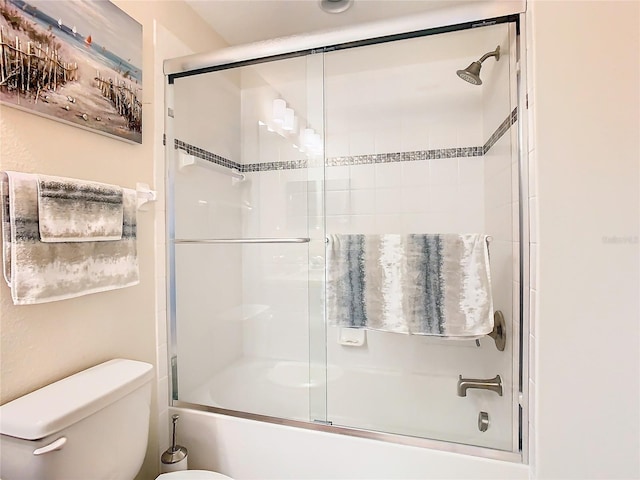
column 493, row 384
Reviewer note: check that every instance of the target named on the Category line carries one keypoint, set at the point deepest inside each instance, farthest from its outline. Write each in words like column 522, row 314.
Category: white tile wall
column 380, row 104
column 362, row 143
column 208, row 204
column 417, row 174
column 210, row 120
column 386, row 141
column 275, row 277
column 208, row 282
column 388, row 175
column 429, row 196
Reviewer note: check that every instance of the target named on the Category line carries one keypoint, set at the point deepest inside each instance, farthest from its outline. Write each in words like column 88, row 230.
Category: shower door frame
column 473, row 16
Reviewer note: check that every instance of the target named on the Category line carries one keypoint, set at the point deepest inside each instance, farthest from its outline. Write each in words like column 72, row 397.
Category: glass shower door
column 249, row 239
column 277, row 161
column 410, row 159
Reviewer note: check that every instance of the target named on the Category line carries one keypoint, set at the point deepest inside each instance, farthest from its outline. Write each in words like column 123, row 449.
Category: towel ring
column 499, row 332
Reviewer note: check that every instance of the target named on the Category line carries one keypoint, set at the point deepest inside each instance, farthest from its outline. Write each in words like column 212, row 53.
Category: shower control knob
column 483, row 421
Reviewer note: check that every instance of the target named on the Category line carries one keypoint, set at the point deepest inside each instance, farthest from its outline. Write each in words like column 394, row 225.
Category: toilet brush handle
column 173, row 437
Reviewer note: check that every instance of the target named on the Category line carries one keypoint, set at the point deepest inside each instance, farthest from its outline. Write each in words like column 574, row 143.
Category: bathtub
column 404, row 403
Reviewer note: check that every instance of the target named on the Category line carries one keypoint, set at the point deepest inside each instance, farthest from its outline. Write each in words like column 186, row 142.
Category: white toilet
column 93, row 424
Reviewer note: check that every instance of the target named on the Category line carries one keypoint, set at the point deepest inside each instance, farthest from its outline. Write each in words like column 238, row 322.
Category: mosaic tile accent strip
column 266, row 166
column 357, row 159
column 501, row 130
column 205, row 155
column 404, row 156
column 225, row 162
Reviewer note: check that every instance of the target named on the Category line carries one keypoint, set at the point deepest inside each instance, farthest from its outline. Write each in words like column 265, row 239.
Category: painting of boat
column 75, row 61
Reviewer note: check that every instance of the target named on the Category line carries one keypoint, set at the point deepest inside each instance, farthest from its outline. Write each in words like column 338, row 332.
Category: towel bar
column 489, row 239
column 244, row 240
column 186, row 160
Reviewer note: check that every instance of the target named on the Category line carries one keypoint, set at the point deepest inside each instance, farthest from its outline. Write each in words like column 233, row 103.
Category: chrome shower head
column 471, row 74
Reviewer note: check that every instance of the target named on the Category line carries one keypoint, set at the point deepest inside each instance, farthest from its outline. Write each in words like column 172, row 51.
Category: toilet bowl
column 193, row 475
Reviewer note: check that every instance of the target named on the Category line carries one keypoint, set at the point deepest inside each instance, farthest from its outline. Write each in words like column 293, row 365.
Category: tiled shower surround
column 356, row 159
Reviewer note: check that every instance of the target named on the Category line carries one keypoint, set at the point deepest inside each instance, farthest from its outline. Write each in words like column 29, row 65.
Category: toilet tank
column 93, row 425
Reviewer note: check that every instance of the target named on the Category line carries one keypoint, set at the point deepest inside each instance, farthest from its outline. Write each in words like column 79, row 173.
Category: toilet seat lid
column 193, row 475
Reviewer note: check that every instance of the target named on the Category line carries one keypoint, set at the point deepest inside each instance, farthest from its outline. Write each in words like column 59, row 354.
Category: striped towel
column 432, row 284
column 71, row 210
column 39, row 272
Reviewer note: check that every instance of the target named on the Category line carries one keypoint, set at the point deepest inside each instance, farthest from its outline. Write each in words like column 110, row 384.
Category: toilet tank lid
column 57, row 406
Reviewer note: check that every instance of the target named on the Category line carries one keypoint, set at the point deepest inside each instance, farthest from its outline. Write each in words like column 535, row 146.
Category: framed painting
column 75, row 61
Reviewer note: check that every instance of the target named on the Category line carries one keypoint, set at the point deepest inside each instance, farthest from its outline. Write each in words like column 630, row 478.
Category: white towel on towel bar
column 427, row 284
column 39, row 272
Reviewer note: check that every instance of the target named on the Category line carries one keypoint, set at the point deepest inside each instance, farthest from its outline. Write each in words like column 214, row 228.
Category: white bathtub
column 387, row 401
column 247, row 449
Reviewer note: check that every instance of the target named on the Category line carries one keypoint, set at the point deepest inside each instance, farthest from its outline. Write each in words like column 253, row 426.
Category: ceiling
column 247, row 21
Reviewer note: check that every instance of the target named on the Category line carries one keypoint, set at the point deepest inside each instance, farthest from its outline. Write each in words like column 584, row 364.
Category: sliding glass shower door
column 275, row 162
column 249, row 238
column 410, row 158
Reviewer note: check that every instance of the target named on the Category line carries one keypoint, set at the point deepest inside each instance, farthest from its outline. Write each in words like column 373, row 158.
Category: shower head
column 471, row 74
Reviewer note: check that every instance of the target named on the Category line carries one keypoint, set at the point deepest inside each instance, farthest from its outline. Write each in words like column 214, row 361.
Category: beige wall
column 586, row 369
column 43, row 343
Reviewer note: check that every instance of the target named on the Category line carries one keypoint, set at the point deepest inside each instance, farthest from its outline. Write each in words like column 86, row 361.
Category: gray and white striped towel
column 431, row 284
column 71, row 210
column 39, row 272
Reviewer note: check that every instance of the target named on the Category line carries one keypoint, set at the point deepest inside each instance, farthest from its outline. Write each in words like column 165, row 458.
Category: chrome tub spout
column 493, row 384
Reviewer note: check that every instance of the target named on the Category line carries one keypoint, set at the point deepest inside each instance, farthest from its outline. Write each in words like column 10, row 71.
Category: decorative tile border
column 225, row 162
column 405, row 156
column 205, row 155
column 501, row 130
column 266, row 166
column 357, row 159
